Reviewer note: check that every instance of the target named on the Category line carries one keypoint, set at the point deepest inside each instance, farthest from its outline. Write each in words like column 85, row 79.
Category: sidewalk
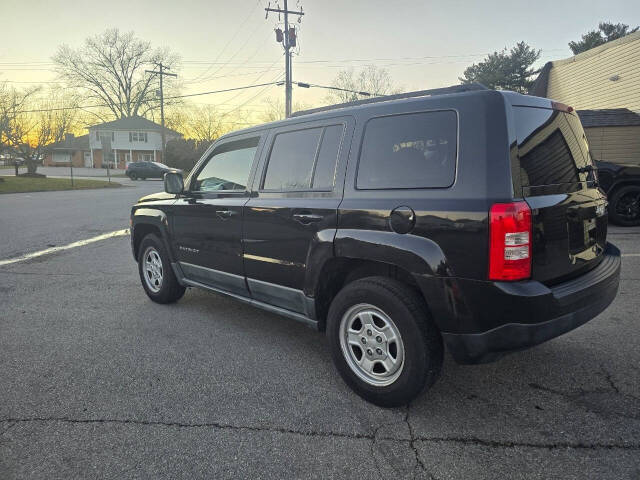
column 66, row 171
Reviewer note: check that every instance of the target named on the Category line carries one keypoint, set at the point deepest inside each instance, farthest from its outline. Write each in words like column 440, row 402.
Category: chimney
column 68, row 137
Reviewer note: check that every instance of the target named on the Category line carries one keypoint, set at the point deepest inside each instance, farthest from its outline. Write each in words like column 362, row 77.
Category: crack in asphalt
column 11, row 425
column 330, row 434
column 609, row 378
column 412, row 444
column 581, row 398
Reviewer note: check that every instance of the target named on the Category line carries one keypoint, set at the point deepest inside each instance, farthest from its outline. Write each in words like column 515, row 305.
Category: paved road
column 99, row 382
column 34, row 221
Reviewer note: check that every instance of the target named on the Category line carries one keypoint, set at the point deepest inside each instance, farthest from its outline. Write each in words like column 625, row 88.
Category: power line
column 345, row 60
column 240, row 65
column 230, row 40
column 309, row 85
column 166, row 98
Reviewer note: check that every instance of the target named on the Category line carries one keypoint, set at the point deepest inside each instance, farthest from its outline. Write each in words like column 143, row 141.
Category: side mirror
column 173, row 182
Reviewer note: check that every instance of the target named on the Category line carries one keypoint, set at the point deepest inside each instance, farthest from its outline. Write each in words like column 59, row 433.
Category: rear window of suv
column 416, row 150
column 551, row 145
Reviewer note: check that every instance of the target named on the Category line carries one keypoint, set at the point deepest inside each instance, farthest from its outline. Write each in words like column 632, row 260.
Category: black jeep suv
column 463, row 217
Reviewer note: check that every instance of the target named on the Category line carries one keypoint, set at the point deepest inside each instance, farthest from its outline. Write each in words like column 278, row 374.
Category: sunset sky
column 423, row 44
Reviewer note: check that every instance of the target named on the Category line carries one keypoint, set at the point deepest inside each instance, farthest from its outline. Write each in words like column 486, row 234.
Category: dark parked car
column 144, row 170
column 462, row 217
column 622, row 185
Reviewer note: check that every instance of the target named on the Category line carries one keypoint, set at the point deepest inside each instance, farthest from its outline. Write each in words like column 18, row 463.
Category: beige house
column 603, row 84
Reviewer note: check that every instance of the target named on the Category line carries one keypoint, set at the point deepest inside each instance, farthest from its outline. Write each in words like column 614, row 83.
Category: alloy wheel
column 372, row 345
column 152, row 269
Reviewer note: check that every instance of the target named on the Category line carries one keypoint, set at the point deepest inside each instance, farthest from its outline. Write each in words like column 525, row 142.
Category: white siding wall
column 614, row 144
column 584, row 81
column 121, row 141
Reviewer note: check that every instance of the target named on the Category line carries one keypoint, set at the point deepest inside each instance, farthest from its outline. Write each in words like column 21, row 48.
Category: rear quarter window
column 416, row 150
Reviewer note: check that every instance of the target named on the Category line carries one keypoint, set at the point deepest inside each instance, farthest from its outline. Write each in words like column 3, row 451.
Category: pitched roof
column 134, row 123
column 541, row 85
column 610, row 117
column 71, row 142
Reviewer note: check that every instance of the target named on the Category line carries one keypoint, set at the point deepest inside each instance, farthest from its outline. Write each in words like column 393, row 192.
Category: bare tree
column 370, row 79
column 110, row 69
column 38, row 123
column 12, row 104
column 206, row 123
column 274, row 109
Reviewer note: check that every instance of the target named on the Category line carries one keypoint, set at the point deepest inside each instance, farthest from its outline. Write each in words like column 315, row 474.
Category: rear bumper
column 537, row 313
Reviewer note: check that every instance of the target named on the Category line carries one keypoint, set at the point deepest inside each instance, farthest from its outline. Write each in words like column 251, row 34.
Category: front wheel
column 624, row 208
column 156, row 274
column 383, row 341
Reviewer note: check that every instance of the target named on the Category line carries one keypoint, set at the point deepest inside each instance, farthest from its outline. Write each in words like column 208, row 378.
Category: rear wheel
column 133, row 176
column 624, row 208
column 156, row 274
column 383, row 341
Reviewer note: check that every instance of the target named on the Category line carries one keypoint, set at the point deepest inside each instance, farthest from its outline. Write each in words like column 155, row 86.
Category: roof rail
column 385, row 98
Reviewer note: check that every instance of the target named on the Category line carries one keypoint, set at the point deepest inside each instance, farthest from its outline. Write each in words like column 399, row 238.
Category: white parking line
column 79, row 243
column 631, row 254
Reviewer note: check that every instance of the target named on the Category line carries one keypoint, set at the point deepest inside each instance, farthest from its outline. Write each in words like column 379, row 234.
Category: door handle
column 225, row 213
column 307, row 218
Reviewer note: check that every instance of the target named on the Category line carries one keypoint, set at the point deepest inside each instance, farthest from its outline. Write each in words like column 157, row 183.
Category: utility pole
column 288, row 39
column 162, row 74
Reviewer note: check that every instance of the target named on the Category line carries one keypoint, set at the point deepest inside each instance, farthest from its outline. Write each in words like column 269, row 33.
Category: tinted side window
column 228, row 168
column 325, row 169
column 416, row 150
column 304, row 159
column 291, row 161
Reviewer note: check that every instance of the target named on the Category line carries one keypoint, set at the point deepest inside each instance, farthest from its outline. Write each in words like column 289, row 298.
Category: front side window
column 416, row 150
column 228, row 168
column 304, row 159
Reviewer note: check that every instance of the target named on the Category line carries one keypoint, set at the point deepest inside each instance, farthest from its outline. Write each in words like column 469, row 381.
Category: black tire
column 423, row 350
column 624, row 206
column 133, row 176
column 169, row 290
column 143, row 178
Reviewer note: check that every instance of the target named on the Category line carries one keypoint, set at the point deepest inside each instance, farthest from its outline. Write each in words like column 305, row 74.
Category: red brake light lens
column 510, row 233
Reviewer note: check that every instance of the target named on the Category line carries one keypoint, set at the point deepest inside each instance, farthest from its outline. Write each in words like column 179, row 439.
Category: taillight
column 510, row 235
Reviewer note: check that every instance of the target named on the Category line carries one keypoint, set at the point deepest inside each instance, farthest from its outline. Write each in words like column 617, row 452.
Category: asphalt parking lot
column 99, row 382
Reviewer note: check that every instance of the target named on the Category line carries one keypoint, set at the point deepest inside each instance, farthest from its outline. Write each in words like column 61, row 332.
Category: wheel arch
column 622, row 183
column 145, row 221
column 360, row 254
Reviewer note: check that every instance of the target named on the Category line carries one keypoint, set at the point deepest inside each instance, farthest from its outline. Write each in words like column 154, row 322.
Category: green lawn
column 26, row 184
